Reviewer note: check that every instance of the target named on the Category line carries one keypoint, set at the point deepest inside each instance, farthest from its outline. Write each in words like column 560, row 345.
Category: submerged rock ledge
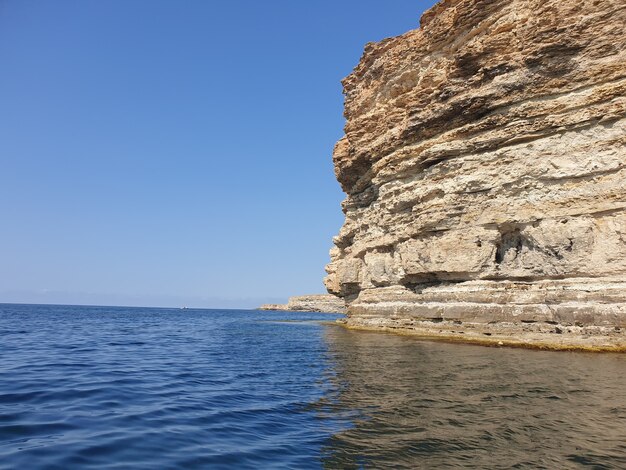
column 484, row 162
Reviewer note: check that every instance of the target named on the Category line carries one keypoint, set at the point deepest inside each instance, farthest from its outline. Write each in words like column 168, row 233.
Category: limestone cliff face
column 484, row 162
column 323, row 303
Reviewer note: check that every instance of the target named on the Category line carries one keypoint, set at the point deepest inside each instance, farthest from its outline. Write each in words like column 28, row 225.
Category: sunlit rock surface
column 324, row 303
column 484, row 165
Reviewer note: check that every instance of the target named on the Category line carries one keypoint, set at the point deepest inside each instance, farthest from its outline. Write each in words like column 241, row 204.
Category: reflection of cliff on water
column 432, row 405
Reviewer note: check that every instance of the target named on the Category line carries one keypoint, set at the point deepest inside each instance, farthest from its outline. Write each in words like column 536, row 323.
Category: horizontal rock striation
column 324, row 303
column 484, row 162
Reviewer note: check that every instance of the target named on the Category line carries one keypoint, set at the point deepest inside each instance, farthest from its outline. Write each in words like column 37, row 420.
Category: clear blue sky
column 168, row 153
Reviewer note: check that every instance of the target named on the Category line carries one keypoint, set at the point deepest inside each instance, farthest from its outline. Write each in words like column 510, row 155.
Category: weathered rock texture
column 484, row 165
column 324, row 303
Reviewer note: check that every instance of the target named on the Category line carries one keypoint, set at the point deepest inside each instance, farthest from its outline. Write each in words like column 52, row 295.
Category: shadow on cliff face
column 426, row 405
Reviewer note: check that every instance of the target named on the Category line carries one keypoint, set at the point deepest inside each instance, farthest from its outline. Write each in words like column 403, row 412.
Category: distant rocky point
column 324, row 303
column 484, row 162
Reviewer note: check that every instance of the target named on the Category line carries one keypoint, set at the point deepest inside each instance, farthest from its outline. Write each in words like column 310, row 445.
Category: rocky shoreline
column 484, row 163
column 322, row 303
column 553, row 337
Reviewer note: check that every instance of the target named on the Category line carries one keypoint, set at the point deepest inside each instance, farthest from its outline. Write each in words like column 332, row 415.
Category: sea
column 149, row 388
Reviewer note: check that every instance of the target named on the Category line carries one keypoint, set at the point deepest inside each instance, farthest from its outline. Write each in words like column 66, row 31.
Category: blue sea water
column 109, row 387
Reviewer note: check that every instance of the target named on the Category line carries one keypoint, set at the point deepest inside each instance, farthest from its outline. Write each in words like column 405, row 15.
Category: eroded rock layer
column 484, row 165
column 323, row 303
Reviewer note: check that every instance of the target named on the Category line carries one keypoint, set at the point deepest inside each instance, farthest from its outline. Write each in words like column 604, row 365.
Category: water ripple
column 101, row 387
column 151, row 388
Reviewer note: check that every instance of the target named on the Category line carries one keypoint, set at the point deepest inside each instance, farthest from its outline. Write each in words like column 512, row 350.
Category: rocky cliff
column 324, row 303
column 484, row 166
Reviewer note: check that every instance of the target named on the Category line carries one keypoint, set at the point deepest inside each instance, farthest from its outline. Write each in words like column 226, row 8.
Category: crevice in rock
column 511, row 243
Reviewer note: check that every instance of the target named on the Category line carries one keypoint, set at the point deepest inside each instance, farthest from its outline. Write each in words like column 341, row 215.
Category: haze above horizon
column 163, row 153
